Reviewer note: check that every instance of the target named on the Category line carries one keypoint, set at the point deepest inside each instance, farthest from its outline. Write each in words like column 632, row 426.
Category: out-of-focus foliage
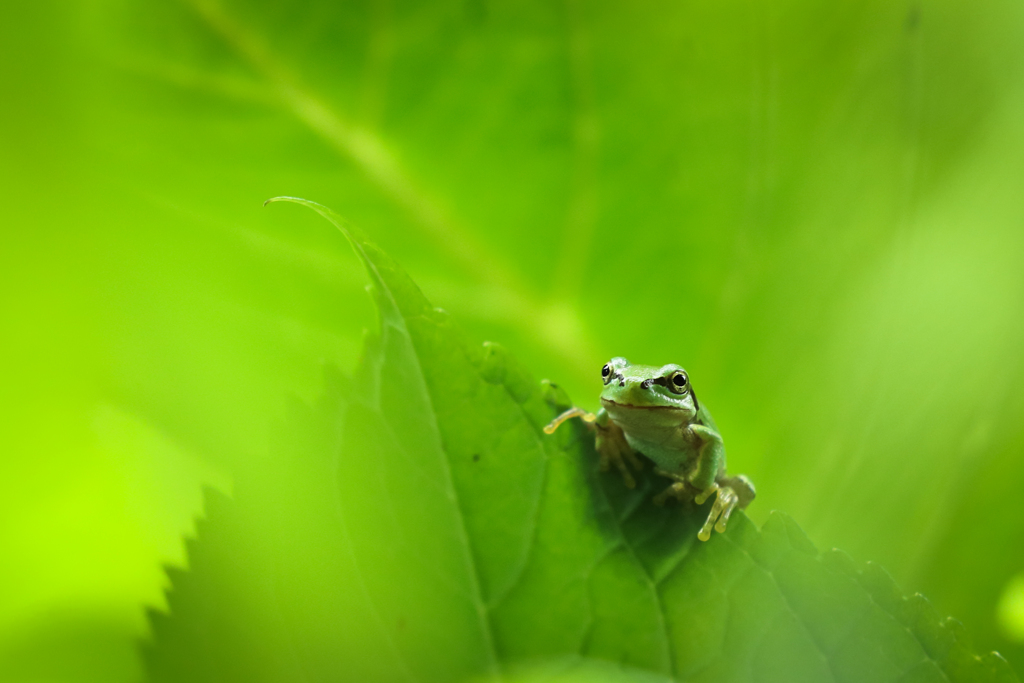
column 418, row 525
column 814, row 207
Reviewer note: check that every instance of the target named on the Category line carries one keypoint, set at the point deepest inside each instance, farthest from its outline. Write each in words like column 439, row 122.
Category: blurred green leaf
column 417, row 524
column 814, row 206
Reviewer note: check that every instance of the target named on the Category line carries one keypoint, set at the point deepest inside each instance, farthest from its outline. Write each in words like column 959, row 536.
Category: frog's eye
column 606, row 373
column 677, row 382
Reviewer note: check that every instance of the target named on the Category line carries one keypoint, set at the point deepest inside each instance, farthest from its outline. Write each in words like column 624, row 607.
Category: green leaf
column 417, row 524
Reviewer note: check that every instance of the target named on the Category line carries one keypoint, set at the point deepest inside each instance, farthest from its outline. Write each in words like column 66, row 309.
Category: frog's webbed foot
column 615, row 450
column 725, row 502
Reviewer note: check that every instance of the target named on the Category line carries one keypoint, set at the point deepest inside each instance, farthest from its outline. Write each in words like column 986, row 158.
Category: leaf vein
column 789, row 606
column 649, row 581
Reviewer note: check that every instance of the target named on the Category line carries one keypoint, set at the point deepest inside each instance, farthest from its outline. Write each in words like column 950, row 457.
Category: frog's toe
column 677, row 489
column 705, row 494
column 635, row 462
column 610, row 455
column 568, row 415
column 731, row 501
column 725, row 503
column 627, row 476
column 613, row 449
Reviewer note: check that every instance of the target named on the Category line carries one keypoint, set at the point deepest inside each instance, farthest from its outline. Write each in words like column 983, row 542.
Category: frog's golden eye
column 677, row 382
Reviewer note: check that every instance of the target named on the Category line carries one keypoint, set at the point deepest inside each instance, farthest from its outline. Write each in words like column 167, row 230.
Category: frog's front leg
column 705, row 478
column 613, row 448
column 710, row 458
column 568, row 415
column 610, row 442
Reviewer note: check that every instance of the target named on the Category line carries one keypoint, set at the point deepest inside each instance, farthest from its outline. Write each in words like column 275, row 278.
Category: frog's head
column 647, row 386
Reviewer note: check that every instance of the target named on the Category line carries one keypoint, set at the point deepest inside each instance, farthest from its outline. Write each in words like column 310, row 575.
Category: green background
column 816, row 208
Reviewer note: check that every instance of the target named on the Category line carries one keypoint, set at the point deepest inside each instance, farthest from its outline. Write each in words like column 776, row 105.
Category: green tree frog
column 653, row 411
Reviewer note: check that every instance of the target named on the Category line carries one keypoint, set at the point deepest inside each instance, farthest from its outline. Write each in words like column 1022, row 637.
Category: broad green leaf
column 416, row 524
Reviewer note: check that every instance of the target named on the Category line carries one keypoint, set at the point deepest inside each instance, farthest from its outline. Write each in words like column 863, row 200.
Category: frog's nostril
column 646, row 384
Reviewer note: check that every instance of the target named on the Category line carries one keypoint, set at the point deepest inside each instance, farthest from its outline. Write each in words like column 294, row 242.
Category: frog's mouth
column 609, row 402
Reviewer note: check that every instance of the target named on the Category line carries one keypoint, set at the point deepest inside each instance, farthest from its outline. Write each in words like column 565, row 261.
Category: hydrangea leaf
column 416, row 524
